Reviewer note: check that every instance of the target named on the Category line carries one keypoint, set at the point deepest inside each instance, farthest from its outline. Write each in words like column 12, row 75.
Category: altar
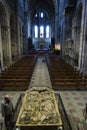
column 39, row 110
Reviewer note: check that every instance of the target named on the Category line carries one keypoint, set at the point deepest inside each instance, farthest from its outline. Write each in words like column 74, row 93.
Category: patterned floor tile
column 80, row 103
column 76, row 119
column 72, row 111
column 75, row 103
column 76, row 98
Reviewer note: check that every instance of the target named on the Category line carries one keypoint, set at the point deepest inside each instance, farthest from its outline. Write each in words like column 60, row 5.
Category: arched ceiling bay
column 42, row 5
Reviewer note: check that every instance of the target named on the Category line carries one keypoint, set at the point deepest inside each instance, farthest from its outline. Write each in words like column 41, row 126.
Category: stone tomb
column 39, row 110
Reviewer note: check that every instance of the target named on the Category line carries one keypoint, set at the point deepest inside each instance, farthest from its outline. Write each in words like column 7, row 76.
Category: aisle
column 40, row 77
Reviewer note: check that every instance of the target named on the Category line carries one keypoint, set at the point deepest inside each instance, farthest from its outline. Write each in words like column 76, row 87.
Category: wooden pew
column 18, row 75
column 64, row 76
column 14, row 84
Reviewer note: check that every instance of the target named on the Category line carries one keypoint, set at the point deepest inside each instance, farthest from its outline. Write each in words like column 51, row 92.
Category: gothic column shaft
column 19, row 39
column 84, row 58
column 82, row 54
column 9, row 45
column 1, row 54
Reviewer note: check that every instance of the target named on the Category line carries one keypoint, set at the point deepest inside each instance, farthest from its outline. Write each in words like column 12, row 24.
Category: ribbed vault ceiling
column 42, row 5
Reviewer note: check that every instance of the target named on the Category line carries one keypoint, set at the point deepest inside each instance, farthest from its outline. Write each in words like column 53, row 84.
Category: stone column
column 44, row 31
column 29, row 27
column 21, row 42
column 9, row 45
column 56, row 29
column 38, row 31
column 19, row 39
column 82, row 51
column 25, row 34
column 1, row 54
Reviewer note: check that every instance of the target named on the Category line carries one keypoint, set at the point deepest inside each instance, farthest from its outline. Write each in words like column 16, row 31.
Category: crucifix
column 41, row 34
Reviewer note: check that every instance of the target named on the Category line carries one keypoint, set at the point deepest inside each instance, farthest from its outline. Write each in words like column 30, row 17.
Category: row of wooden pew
column 64, row 76
column 18, row 75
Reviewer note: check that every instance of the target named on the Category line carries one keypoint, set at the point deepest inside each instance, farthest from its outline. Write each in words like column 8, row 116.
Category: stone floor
column 40, row 75
column 73, row 101
column 74, row 104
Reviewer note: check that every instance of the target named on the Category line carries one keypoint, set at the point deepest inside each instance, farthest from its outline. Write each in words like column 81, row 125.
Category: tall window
column 36, row 31
column 41, row 31
column 35, row 15
column 41, row 15
column 47, row 31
